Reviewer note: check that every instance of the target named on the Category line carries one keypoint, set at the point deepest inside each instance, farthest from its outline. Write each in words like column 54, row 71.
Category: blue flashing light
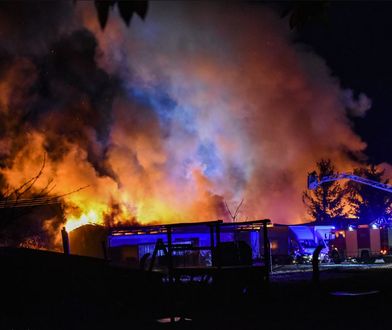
column 203, row 238
column 350, row 228
column 374, row 226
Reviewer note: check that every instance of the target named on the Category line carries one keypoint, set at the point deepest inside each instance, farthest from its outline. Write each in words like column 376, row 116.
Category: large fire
column 90, row 218
column 171, row 118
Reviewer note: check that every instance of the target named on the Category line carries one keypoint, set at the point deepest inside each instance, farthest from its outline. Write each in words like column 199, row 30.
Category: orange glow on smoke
column 203, row 116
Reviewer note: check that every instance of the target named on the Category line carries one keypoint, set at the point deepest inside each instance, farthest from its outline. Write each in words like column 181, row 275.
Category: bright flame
column 89, row 218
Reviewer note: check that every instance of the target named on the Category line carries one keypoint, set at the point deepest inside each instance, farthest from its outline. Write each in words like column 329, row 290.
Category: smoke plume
column 198, row 105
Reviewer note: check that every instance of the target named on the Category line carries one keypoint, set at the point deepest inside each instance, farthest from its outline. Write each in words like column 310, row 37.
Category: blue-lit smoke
column 175, row 120
column 237, row 111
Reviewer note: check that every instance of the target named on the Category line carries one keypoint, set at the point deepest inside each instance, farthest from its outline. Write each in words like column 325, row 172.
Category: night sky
column 356, row 45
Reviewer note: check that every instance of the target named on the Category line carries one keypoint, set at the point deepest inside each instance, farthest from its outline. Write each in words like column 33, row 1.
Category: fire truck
column 362, row 242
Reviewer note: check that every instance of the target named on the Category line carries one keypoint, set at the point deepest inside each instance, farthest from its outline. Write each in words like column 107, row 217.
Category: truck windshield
column 308, row 243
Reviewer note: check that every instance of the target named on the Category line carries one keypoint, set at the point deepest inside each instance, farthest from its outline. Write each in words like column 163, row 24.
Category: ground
column 52, row 291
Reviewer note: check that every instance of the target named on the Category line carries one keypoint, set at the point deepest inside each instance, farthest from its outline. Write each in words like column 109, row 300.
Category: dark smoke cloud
column 54, row 86
column 29, row 27
column 76, row 99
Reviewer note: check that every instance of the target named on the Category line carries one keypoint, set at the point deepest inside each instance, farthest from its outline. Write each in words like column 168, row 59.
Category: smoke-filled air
column 171, row 118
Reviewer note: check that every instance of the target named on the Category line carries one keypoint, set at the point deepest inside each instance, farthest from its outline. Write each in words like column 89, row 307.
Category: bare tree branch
column 234, row 216
column 238, row 209
column 40, row 198
column 228, row 210
column 30, row 183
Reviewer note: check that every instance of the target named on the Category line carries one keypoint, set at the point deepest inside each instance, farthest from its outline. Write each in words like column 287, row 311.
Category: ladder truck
column 363, row 242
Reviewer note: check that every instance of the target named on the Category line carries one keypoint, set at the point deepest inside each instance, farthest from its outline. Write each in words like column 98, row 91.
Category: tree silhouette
column 327, row 201
column 125, row 8
column 370, row 204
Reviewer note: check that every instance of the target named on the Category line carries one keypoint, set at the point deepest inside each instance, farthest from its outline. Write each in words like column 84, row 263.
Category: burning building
column 167, row 120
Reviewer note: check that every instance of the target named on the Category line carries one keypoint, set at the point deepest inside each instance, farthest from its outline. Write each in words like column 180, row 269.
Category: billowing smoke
column 167, row 120
column 356, row 107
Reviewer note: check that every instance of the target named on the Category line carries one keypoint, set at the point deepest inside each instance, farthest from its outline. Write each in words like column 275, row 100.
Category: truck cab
column 307, row 239
column 297, row 243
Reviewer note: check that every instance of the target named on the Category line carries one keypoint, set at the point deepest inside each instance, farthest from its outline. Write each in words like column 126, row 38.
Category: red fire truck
column 365, row 243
